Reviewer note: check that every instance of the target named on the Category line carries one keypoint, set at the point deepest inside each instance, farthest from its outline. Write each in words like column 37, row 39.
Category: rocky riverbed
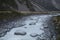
column 34, row 27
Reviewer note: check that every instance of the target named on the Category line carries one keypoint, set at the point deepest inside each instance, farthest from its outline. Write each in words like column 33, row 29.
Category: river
column 34, row 27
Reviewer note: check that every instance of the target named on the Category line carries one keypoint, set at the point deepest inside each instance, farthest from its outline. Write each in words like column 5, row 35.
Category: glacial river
column 34, row 27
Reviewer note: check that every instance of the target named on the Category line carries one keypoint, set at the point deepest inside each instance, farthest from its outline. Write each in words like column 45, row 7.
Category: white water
column 34, row 28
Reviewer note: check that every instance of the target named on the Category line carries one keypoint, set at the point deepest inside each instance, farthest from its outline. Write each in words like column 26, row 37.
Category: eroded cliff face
column 30, row 5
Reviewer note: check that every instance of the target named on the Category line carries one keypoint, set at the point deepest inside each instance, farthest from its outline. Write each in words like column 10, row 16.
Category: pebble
column 20, row 32
column 33, row 35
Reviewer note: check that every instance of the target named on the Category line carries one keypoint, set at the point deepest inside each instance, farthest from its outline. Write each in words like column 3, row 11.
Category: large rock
column 20, row 32
column 33, row 35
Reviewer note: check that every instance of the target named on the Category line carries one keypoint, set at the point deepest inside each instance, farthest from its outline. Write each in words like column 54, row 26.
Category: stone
column 32, row 23
column 19, row 25
column 25, row 27
column 33, row 35
column 31, row 19
column 20, row 32
column 45, row 25
column 22, row 25
column 2, row 34
column 3, row 30
column 38, row 38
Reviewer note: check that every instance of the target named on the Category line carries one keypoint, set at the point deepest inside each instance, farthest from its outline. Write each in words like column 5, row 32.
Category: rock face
column 20, row 32
column 57, row 25
column 6, row 4
column 30, row 5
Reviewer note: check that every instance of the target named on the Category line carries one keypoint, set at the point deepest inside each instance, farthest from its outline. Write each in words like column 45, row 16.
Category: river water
column 34, row 27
